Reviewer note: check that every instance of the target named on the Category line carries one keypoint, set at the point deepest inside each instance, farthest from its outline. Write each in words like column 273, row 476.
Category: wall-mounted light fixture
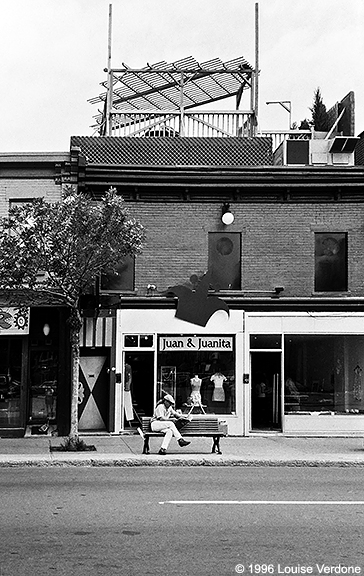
column 277, row 291
column 227, row 216
column 46, row 330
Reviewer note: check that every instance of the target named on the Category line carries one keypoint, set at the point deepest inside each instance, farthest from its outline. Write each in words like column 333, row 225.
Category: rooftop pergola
column 155, row 100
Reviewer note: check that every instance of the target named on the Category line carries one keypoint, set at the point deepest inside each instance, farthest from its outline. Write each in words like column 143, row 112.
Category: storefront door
column 93, row 392
column 266, row 391
column 139, row 384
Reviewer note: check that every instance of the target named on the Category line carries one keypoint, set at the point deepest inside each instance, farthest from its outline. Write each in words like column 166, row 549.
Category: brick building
column 289, row 269
column 249, row 291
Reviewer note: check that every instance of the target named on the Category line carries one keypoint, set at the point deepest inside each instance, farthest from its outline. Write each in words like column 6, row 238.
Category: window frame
column 334, row 269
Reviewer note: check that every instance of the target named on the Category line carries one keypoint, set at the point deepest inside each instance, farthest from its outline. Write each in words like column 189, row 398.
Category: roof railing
column 189, row 123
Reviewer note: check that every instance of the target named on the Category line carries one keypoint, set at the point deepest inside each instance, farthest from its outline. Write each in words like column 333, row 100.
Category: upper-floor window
column 123, row 280
column 225, row 260
column 331, row 266
column 19, row 202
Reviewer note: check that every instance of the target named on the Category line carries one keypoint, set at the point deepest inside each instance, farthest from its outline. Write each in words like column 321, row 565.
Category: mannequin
column 195, row 396
column 218, row 394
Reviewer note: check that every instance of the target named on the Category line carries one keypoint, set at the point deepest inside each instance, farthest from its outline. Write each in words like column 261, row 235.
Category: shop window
column 138, row 341
column 123, row 280
column 330, row 262
column 199, row 371
column 324, row 373
column 131, row 341
column 10, row 381
column 265, row 341
column 225, row 260
column 146, row 341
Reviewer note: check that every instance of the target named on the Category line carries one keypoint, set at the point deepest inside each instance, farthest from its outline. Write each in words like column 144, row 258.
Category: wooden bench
column 200, row 425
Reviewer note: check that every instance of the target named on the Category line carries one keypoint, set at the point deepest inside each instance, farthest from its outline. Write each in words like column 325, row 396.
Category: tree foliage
column 70, row 241
column 320, row 117
column 304, row 125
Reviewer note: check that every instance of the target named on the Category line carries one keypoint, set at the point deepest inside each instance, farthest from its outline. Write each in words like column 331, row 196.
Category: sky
column 53, row 55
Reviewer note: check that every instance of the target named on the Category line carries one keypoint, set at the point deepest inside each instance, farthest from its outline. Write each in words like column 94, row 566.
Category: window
column 199, row 371
column 324, row 373
column 10, row 381
column 123, row 280
column 262, row 341
column 20, row 202
column 331, row 262
column 225, row 260
column 138, row 341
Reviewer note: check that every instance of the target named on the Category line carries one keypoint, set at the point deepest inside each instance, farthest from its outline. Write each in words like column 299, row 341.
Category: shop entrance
column 139, row 385
column 93, row 391
column 266, row 391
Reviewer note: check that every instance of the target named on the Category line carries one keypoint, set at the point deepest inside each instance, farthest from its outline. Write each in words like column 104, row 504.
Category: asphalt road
column 181, row 521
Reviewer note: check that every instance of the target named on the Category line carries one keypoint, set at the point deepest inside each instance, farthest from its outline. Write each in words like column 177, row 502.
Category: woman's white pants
column 168, row 429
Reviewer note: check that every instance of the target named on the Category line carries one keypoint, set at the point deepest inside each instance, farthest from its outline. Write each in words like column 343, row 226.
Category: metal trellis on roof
column 172, row 87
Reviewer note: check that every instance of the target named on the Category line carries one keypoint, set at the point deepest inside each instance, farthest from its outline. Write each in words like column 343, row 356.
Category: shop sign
column 195, row 343
column 14, row 321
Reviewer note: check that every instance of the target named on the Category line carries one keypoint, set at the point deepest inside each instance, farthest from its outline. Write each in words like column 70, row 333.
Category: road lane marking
column 274, row 502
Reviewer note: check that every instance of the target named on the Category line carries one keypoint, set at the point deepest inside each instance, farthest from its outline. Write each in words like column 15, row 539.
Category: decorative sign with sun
column 14, row 321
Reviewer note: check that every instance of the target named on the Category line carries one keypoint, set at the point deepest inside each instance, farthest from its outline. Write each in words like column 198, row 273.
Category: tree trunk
column 75, row 327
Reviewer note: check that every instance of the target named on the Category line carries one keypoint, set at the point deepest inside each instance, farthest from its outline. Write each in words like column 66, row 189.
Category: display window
column 199, row 372
column 10, row 381
column 324, row 373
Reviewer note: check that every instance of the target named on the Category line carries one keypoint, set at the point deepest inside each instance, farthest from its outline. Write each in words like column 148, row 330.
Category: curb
column 155, row 461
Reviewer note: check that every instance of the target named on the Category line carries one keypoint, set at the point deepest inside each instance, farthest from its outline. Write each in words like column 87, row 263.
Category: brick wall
column 277, row 242
column 14, row 188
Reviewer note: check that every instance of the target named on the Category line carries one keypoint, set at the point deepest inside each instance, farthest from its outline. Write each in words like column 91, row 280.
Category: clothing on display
column 219, row 393
column 128, row 406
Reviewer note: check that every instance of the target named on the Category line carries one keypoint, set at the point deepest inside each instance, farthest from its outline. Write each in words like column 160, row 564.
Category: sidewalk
column 126, row 450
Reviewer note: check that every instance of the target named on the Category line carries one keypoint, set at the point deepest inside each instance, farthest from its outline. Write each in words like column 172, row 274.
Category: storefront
column 200, row 366
column 95, row 390
column 34, row 370
column 292, row 373
column 14, row 331
column 320, row 359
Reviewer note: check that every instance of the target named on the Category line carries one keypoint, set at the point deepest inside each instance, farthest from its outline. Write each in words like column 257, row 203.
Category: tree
column 320, row 117
column 304, row 125
column 71, row 242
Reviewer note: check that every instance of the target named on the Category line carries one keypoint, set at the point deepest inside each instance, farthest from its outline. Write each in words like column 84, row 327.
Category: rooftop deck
column 195, row 123
column 174, row 100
